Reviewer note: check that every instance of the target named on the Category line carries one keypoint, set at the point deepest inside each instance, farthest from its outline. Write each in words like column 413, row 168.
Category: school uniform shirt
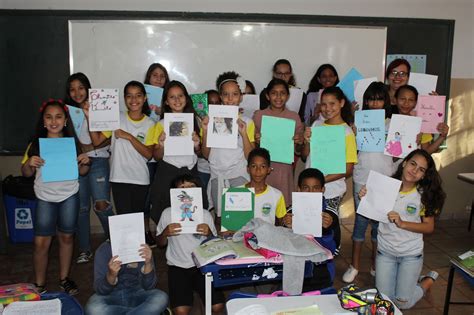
column 178, row 161
column 375, row 161
column 126, row 164
column 269, row 204
column 338, row 187
column 85, row 138
column 180, row 247
column 51, row 191
column 398, row 242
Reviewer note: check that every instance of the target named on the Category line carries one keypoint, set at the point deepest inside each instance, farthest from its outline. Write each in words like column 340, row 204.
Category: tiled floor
column 449, row 238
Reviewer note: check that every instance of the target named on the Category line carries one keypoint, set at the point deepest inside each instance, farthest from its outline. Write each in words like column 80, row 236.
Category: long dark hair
column 314, row 84
column 292, row 80
column 81, row 77
column 42, row 132
column 146, row 108
column 430, row 186
column 377, row 90
column 346, row 110
column 152, row 68
column 188, row 108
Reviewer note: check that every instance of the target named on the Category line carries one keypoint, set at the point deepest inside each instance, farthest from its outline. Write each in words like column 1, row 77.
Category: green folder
column 238, row 204
column 277, row 138
column 328, row 149
column 200, row 104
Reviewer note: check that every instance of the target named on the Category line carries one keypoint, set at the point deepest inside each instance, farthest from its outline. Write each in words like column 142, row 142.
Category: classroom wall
column 460, row 154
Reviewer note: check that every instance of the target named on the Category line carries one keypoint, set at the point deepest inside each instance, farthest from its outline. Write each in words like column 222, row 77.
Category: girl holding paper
column 375, row 97
column 326, row 76
column 400, row 242
column 58, row 202
column 228, row 166
column 336, row 109
column 95, row 184
column 282, row 174
column 175, row 100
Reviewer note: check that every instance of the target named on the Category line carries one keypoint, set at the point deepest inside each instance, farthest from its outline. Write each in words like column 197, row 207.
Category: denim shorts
column 95, row 183
column 52, row 216
column 361, row 223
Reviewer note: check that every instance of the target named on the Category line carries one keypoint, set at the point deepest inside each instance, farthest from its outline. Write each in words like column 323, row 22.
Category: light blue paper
column 277, row 138
column 347, row 83
column 370, row 130
column 60, row 159
column 77, row 117
column 154, row 94
column 417, row 62
column 328, row 149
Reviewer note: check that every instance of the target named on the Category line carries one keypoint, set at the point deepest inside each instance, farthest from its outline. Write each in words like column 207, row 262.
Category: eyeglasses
column 400, row 74
column 283, row 74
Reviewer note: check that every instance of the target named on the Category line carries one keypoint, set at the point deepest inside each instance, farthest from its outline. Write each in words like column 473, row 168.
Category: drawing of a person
column 394, row 147
column 187, row 204
column 222, row 125
column 178, row 129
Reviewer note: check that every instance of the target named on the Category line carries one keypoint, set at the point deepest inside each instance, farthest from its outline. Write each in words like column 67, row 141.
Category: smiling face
column 398, row 77
column 406, row 101
column 283, row 71
column 230, row 93
column 176, row 99
column 278, row 96
column 331, row 106
column 54, row 120
column 258, row 169
column 414, row 169
column 158, row 78
column 134, row 99
column 78, row 92
column 327, row 78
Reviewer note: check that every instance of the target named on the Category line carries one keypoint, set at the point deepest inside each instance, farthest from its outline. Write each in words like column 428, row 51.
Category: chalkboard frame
column 34, row 50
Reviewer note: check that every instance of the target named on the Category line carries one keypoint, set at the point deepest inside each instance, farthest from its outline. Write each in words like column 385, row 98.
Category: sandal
column 68, row 286
column 431, row 274
column 40, row 288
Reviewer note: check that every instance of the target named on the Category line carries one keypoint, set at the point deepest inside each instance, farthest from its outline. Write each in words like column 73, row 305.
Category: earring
column 65, row 124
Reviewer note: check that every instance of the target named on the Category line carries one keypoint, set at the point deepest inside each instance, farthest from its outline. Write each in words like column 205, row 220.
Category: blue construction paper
column 277, row 138
column 370, row 125
column 347, row 83
column 77, row 117
column 154, row 94
column 60, row 159
column 328, row 149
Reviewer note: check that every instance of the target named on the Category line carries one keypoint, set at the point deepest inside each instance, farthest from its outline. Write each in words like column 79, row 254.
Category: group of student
column 131, row 162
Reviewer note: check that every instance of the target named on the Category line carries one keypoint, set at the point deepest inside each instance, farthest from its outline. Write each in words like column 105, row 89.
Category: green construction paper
column 200, row 104
column 277, row 138
column 234, row 220
column 328, row 149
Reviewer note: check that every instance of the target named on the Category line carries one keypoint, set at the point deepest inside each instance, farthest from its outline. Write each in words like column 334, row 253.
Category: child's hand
column 418, row 138
column 85, row 109
column 443, row 129
column 83, row 159
column 119, row 133
column 145, row 253
column 307, row 134
column 354, row 129
column 35, row 161
column 354, row 106
column 196, row 141
column 242, row 127
column 156, row 109
column 203, row 229
column 327, row 220
column 433, row 93
column 317, row 110
column 205, row 122
column 298, row 138
column 362, row 192
column 114, row 266
column 394, row 217
column 161, row 139
column 258, row 136
column 172, row 229
column 288, row 220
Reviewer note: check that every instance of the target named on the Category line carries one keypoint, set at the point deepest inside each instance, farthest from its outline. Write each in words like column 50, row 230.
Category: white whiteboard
column 111, row 53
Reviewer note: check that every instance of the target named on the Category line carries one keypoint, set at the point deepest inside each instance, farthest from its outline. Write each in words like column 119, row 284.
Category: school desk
column 467, row 274
column 468, row 178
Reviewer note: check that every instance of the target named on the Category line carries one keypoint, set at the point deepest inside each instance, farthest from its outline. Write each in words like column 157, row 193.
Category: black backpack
column 19, row 187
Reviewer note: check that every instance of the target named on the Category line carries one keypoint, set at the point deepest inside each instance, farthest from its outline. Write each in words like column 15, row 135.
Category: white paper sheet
column 222, row 130
column 127, row 234
column 307, row 213
column 238, row 201
column 402, row 133
column 104, row 110
column 186, row 208
column 359, row 89
column 179, row 129
column 250, row 103
column 382, row 192
column 424, row 83
column 294, row 101
column 45, row 307
column 253, row 309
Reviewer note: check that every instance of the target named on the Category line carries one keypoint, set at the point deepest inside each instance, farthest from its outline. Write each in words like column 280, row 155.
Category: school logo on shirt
column 411, row 208
column 141, row 137
column 266, row 208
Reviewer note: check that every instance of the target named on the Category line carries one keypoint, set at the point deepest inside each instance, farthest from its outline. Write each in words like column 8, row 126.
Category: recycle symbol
column 22, row 214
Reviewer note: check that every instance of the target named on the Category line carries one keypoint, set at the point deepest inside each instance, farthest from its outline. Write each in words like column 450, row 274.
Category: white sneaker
column 350, row 274
column 372, row 271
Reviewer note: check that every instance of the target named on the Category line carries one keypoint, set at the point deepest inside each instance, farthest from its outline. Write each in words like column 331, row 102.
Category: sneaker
column 40, row 288
column 432, row 274
column 350, row 274
column 372, row 271
column 150, row 239
column 68, row 286
column 84, row 257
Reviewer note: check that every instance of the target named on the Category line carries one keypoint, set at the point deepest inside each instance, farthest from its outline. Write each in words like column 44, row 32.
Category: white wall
column 462, row 11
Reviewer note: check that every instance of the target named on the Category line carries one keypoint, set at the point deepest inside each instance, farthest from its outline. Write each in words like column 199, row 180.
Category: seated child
column 127, row 289
column 183, row 275
column 312, row 180
column 269, row 201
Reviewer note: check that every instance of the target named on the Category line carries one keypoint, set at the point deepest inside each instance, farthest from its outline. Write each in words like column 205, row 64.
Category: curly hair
column 226, row 76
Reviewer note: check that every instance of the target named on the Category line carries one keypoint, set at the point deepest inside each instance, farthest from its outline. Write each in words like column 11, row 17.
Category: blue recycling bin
column 20, row 214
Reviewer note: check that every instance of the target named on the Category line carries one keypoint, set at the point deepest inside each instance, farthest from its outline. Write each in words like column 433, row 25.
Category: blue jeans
column 128, row 301
column 62, row 216
column 397, row 277
column 152, row 172
column 94, row 185
column 361, row 223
